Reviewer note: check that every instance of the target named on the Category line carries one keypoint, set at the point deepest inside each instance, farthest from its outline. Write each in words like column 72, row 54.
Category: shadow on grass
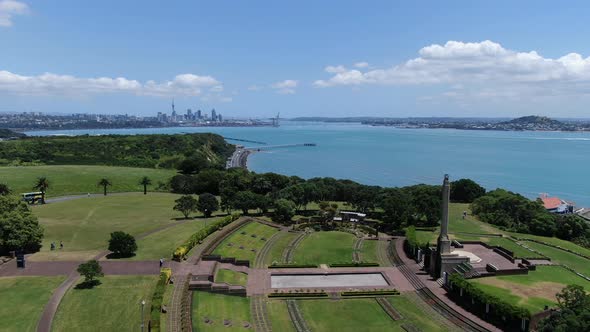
column 119, row 256
column 88, row 284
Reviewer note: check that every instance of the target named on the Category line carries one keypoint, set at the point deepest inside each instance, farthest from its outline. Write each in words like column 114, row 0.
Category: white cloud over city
column 51, row 84
column 483, row 63
column 286, row 87
column 9, row 9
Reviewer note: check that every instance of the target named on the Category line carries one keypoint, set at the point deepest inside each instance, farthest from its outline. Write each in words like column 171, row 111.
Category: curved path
column 290, row 249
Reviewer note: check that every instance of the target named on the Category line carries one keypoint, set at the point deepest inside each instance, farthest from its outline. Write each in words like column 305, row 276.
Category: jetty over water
column 244, row 140
column 240, row 157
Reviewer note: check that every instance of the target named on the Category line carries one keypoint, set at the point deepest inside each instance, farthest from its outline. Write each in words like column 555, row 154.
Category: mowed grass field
column 84, row 225
column 325, row 248
column 276, row 252
column 22, row 300
column 369, row 251
column 114, row 305
column 68, row 180
column 231, row 277
column 532, row 291
column 217, row 308
column 250, row 237
column 577, row 263
column 350, row 315
column 279, row 316
column 163, row 243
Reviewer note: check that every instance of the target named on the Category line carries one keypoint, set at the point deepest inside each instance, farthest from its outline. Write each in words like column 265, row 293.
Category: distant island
column 525, row 123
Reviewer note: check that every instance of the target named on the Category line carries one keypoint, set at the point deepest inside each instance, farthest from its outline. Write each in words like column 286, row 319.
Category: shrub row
column 199, row 236
column 498, row 312
column 353, row 264
column 320, row 294
column 157, row 298
column 289, row 265
column 369, row 293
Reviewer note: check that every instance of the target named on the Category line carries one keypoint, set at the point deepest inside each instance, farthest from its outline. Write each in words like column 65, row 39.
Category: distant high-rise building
column 213, row 115
column 160, row 117
column 199, row 116
column 189, row 114
column 219, row 118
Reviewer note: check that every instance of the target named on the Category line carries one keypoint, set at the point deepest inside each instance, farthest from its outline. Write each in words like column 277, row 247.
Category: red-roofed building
column 556, row 204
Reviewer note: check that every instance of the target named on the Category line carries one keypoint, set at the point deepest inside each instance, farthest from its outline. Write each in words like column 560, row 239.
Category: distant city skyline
column 332, row 59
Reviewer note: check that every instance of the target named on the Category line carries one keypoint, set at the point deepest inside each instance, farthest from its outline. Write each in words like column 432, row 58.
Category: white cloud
column 335, row 69
column 484, row 63
column 51, row 84
column 361, row 64
column 286, row 87
column 9, row 8
column 254, row 88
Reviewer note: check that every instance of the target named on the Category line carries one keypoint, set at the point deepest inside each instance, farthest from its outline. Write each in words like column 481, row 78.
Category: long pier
column 240, row 157
column 244, row 140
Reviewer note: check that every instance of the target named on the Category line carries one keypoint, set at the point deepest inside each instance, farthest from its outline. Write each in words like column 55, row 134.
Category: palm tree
column 145, row 181
column 42, row 184
column 4, row 189
column 104, row 183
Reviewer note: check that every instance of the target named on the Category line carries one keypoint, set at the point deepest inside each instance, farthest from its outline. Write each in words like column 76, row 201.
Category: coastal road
column 239, row 158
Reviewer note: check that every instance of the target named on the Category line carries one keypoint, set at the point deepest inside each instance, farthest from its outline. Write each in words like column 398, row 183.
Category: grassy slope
column 84, row 225
column 218, row 307
column 112, row 306
column 325, row 248
column 412, row 310
column 22, row 301
column 577, row 263
column 532, row 291
column 276, row 252
column 246, row 240
column 279, row 316
column 369, row 251
column 162, row 244
column 359, row 314
column 67, row 180
column 231, row 277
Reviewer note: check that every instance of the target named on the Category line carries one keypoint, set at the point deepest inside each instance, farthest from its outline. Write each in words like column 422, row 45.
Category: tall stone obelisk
column 444, row 243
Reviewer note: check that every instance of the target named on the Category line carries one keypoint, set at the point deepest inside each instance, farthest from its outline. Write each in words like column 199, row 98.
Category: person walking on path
column 61, row 245
column 161, row 262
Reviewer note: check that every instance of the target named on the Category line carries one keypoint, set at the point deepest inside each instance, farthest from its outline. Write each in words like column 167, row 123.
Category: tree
column 122, row 244
column 574, row 313
column 186, row 204
column 19, row 227
column 42, row 184
column 104, row 183
column 427, row 203
column 397, row 207
column 207, row 204
column 245, row 200
column 4, row 189
column 145, row 181
column 284, row 210
column 90, row 270
column 183, row 184
column 466, row 191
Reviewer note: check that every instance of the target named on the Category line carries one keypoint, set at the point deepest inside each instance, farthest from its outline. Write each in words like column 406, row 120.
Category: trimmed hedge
column 501, row 313
column 199, row 236
column 359, row 264
column 371, row 293
column 157, row 298
column 294, row 266
column 320, row 294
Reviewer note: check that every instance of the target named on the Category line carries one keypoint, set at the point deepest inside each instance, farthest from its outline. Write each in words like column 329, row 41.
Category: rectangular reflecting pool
column 327, row 280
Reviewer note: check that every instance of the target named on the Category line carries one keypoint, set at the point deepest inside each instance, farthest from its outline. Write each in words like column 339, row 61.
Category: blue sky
column 300, row 58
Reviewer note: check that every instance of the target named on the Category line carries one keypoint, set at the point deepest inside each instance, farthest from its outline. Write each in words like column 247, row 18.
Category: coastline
column 239, row 158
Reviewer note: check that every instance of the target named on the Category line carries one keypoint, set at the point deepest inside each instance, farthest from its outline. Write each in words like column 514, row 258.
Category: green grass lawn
column 22, row 300
column 532, row 291
column 217, row 308
column 231, row 277
column 577, row 263
column 414, row 311
column 67, row 180
column 166, row 302
column 554, row 241
column 84, row 225
column 369, row 251
column 325, row 248
column 346, row 315
column 276, row 252
column 162, row 244
column 246, row 241
column 279, row 316
column 112, row 306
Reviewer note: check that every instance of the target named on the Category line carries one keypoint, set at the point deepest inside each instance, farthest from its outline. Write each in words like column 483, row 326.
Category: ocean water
column 526, row 162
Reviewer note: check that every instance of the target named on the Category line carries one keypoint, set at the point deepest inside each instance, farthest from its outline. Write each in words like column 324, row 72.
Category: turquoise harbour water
column 526, row 162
